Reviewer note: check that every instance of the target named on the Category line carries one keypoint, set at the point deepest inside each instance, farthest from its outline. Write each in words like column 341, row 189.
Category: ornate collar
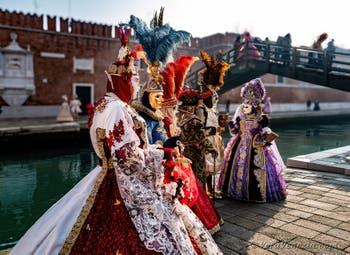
column 156, row 115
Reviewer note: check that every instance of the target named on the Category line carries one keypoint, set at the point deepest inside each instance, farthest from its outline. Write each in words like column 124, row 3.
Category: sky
column 303, row 19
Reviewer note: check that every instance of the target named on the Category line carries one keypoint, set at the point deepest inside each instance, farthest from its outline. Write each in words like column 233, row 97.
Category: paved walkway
column 315, row 218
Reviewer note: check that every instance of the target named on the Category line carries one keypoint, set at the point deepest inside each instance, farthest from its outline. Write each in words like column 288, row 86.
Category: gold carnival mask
column 156, row 100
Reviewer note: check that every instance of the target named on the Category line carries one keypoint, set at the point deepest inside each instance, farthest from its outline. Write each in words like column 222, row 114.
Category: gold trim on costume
column 259, row 162
column 101, row 136
column 215, row 229
column 245, row 135
column 260, row 176
column 75, row 231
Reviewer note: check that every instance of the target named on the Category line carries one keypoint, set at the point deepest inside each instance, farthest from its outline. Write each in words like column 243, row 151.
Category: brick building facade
column 70, row 57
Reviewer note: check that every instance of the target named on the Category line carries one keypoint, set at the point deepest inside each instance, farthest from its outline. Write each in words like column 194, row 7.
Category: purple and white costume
column 252, row 168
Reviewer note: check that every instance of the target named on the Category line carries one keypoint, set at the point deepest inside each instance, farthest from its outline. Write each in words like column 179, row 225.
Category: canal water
column 31, row 181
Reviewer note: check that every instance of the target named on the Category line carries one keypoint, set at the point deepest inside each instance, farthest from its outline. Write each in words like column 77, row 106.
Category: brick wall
column 54, row 76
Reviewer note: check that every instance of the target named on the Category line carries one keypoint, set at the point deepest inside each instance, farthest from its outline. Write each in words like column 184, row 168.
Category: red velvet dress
column 193, row 194
column 108, row 229
column 205, row 210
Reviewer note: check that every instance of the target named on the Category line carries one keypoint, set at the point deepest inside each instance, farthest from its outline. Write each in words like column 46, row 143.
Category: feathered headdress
column 159, row 41
column 253, row 92
column 157, row 20
column 123, row 38
column 155, row 84
column 322, row 37
column 119, row 72
column 168, row 75
column 215, row 71
column 182, row 66
column 174, row 75
column 191, row 97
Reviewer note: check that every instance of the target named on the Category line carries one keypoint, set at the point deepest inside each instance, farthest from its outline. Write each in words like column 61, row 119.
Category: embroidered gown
column 64, row 114
column 200, row 202
column 118, row 208
column 252, row 170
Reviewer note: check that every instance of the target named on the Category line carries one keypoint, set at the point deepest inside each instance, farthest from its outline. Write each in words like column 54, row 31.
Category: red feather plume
column 123, row 36
column 168, row 74
column 182, row 66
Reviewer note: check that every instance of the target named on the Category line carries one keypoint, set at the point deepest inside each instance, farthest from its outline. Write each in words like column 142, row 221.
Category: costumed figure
column 330, row 50
column 64, row 113
column 74, row 105
column 316, row 57
column 161, row 130
column 120, row 207
column 249, row 47
column 213, row 80
column 191, row 118
column 236, row 46
column 174, row 75
column 253, row 167
column 158, row 42
column 267, row 106
column 149, row 109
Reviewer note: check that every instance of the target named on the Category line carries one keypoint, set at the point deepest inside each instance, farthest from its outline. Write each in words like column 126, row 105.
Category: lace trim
column 215, row 229
column 159, row 228
column 156, row 115
column 74, row 233
column 199, row 233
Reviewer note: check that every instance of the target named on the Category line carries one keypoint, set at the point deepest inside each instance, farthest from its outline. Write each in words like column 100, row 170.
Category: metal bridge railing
column 272, row 53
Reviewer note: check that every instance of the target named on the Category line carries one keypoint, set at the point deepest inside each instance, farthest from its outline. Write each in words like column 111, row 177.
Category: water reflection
column 309, row 135
column 30, row 184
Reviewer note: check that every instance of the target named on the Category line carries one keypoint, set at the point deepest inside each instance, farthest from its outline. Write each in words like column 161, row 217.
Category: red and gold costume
column 194, row 195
